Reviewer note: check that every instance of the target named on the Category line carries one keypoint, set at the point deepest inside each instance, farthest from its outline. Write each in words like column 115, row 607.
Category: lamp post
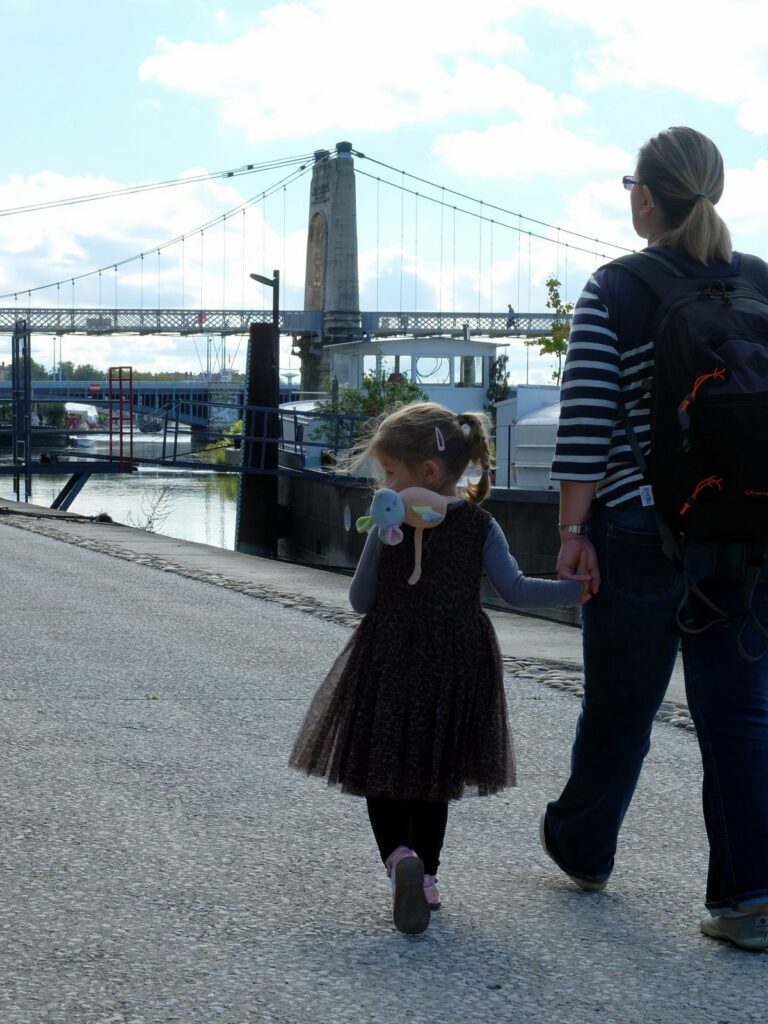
column 257, row 527
column 274, row 283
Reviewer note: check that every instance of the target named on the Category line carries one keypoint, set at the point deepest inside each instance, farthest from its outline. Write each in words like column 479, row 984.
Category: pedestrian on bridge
column 510, row 316
column 608, row 527
column 413, row 713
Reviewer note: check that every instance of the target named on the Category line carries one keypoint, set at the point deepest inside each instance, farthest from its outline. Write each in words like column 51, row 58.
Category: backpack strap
column 755, row 271
column 652, row 269
column 755, row 563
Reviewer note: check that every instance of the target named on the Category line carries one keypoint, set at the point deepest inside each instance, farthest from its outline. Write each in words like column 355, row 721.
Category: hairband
column 699, row 195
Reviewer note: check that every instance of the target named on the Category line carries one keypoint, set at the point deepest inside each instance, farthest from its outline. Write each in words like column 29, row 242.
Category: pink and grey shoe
column 410, row 909
column 431, row 893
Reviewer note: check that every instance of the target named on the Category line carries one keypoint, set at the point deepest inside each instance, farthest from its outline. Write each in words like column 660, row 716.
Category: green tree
column 83, row 371
column 376, row 395
column 556, row 342
column 38, row 371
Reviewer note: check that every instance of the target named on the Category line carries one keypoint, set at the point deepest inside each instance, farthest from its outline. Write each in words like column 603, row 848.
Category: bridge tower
column 331, row 281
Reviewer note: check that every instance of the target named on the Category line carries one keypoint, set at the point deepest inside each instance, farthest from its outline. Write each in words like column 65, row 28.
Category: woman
column 608, row 530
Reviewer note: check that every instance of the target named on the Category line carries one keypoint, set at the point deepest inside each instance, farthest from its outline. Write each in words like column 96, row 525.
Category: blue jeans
column 631, row 639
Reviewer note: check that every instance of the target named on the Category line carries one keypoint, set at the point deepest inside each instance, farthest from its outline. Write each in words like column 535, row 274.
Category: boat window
column 344, row 371
column 432, row 370
column 387, row 365
column 468, row 371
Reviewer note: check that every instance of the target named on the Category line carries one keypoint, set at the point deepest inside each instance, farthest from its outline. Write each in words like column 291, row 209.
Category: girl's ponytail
column 479, row 453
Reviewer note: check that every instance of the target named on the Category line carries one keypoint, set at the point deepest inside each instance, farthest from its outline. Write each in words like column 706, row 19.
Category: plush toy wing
column 364, row 524
column 427, row 514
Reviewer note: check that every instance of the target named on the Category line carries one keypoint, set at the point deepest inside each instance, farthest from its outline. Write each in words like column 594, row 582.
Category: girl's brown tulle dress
column 414, row 706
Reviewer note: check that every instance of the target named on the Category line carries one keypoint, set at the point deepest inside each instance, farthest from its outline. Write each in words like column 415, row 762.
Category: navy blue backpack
column 708, row 461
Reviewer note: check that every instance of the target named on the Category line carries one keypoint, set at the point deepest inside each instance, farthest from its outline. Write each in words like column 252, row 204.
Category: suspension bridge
column 419, row 284
column 416, row 231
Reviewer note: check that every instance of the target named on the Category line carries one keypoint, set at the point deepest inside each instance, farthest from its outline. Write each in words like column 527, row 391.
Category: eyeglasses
column 628, row 181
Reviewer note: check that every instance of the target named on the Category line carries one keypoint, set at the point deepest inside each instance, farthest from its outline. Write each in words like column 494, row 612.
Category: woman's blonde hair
column 425, row 430
column 684, row 171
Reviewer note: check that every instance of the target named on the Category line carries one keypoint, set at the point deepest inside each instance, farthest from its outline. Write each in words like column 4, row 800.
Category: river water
column 196, row 505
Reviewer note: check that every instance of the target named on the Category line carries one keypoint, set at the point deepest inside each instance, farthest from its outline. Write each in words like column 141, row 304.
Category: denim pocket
column 636, row 565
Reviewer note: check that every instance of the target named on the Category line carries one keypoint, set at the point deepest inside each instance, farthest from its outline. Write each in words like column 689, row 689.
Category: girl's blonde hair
column 426, row 430
column 684, row 171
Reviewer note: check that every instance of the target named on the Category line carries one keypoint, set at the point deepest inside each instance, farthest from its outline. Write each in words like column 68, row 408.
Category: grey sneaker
column 589, row 883
column 748, row 931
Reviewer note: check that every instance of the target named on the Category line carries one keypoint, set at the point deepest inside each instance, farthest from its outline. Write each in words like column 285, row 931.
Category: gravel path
column 159, row 862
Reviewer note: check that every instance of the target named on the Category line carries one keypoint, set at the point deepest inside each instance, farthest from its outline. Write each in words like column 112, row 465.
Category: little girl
column 413, row 713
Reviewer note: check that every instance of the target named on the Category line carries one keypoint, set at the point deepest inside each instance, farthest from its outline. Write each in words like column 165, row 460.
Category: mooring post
column 256, row 529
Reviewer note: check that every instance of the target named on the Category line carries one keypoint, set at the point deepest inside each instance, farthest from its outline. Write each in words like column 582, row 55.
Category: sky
column 521, row 117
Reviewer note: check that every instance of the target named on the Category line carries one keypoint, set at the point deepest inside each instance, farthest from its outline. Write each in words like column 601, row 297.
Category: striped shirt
column 610, row 360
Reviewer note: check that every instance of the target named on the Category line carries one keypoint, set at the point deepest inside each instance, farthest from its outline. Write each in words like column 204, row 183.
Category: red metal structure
column 120, row 392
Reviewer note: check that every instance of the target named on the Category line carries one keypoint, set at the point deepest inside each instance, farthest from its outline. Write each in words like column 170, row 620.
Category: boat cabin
column 453, row 371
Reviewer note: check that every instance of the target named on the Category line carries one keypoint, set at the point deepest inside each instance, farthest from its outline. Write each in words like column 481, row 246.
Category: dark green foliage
column 498, row 387
column 376, row 395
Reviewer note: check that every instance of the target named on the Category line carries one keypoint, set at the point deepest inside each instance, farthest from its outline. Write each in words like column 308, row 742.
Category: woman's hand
column 577, row 560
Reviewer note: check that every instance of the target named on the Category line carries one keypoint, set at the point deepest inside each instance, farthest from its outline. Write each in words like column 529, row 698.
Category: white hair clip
column 439, row 439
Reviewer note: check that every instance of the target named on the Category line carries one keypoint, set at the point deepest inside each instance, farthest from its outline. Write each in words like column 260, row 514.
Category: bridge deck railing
column 184, row 322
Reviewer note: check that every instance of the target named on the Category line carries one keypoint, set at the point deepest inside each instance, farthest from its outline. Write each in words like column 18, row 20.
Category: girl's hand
column 577, row 560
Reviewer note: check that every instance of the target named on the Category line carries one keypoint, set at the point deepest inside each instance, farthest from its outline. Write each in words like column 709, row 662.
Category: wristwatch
column 579, row 528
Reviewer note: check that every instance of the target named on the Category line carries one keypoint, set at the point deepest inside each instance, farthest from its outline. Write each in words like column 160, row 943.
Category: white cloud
column 694, row 47
column 549, row 149
column 415, row 66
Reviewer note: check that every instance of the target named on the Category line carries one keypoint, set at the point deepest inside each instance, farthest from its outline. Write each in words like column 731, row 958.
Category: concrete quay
column 159, row 862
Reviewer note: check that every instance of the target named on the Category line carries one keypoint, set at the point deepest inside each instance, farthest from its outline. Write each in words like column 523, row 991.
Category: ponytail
column 479, row 453
column 684, row 171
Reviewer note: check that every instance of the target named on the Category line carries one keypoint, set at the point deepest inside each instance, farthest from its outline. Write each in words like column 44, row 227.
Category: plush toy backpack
column 416, row 506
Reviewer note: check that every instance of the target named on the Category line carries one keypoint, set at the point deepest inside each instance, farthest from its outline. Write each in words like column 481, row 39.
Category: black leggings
column 419, row 824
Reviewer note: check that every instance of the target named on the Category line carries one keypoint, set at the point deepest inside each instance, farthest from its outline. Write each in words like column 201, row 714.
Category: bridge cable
column 454, row 258
column 528, row 347
column 565, row 292
column 290, row 179
column 416, row 253
column 511, row 227
column 283, row 280
column 440, row 298
column 224, row 263
column 128, row 190
column 491, row 274
column 402, row 228
column 242, row 260
column 202, row 275
column 480, row 259
column 462, row 195
column 519, row 255
column 378, row 227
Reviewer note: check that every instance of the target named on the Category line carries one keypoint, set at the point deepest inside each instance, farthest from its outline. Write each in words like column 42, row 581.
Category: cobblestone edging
column 557, row 675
